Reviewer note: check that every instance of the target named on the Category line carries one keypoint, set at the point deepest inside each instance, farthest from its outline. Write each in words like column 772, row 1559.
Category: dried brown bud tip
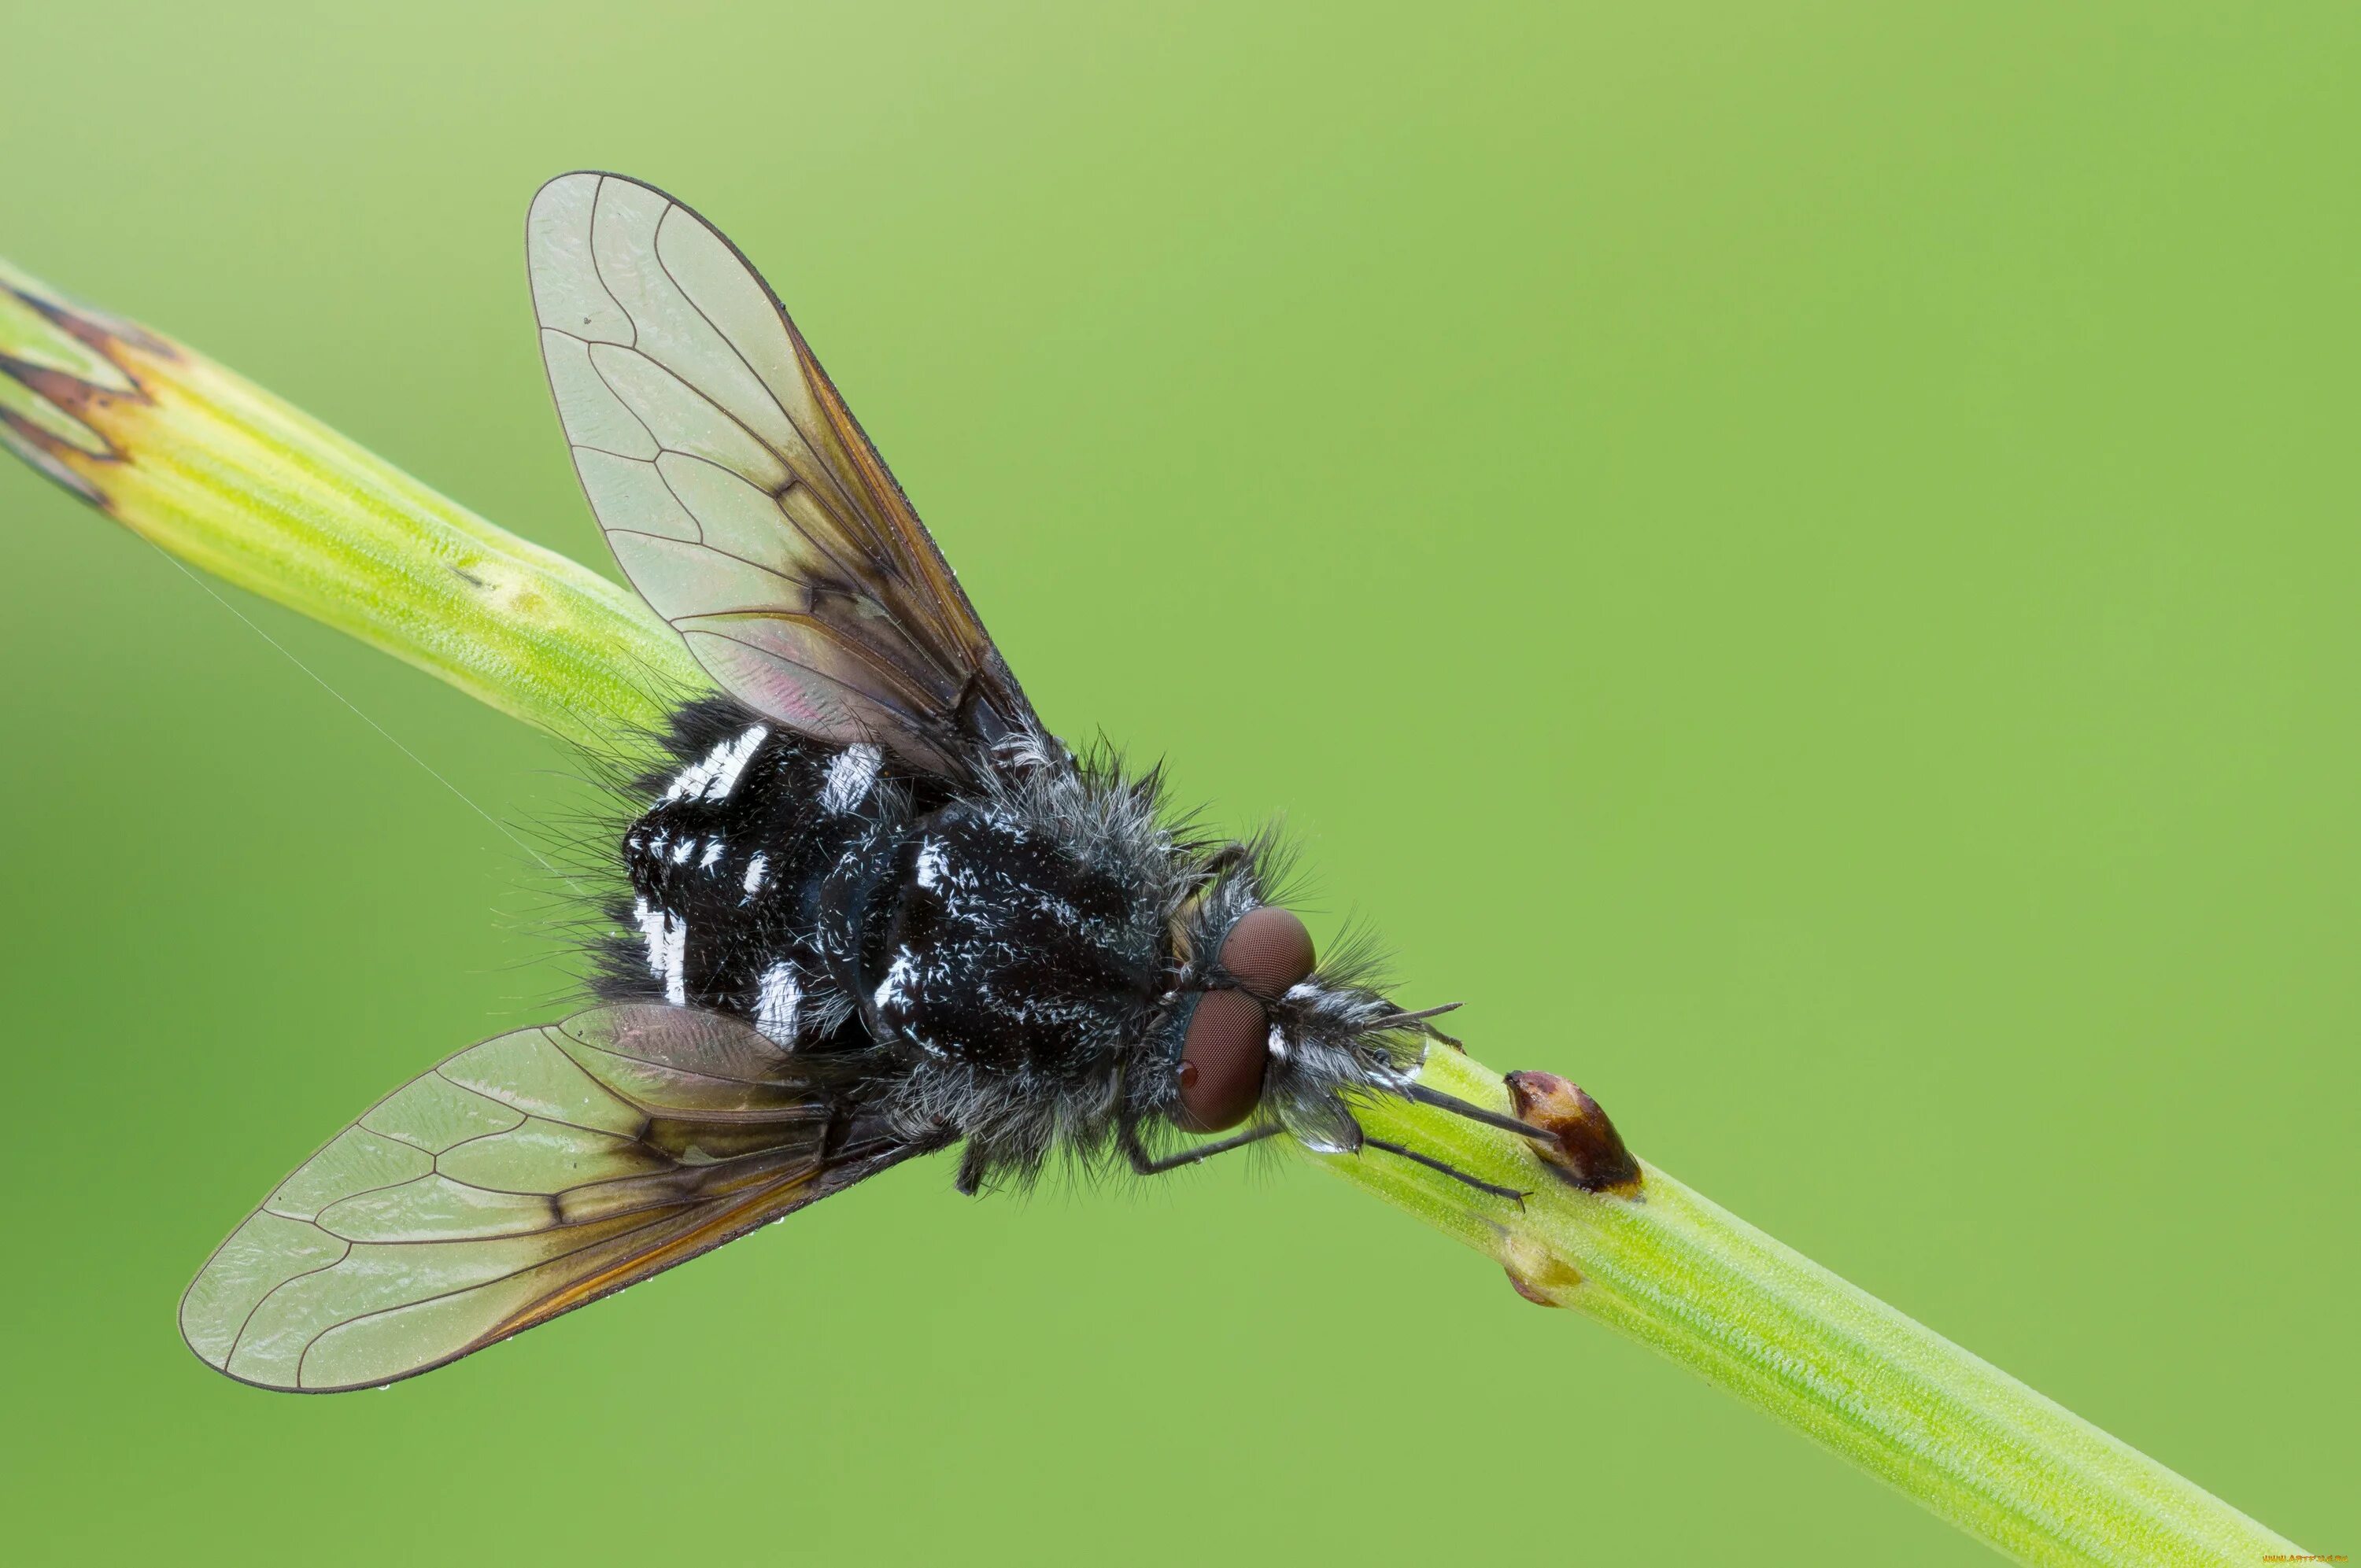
column 1589, row 1152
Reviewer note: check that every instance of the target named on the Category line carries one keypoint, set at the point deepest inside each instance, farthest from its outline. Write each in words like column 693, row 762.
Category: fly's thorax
column 1012, row 948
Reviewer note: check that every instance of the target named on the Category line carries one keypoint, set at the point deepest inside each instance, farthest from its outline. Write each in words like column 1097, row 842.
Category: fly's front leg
column 1401, row 1151
column 1147, row 1164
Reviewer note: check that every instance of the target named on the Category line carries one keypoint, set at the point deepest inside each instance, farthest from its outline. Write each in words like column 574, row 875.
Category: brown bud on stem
column 1589, row 1153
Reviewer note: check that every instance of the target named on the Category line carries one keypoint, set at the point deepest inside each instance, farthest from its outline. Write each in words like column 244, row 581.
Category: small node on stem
column 1535, row 1274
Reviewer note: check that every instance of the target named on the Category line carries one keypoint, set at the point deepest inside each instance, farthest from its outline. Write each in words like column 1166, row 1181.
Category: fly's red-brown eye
column 1227, row 1049
column 1267, row 951
column 1221, row 1061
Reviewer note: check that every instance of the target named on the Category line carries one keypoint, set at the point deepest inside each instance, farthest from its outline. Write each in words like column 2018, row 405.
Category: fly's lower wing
column 525, row 1176
column 738, row 491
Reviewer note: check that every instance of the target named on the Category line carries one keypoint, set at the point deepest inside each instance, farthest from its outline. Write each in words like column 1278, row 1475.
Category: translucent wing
column 739, row 493
column 523, row 1178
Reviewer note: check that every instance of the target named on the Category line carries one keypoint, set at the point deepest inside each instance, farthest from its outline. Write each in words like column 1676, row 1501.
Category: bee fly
column 875, row 908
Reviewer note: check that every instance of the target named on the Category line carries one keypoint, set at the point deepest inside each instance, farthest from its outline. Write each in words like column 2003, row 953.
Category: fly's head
column 1271, row 1033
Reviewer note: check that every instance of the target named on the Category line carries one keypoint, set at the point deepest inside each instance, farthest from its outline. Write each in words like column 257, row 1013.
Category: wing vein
column 785, row 413
column 314, row 1341
column 854, row 581
column 248, row 1322
column 597, row 198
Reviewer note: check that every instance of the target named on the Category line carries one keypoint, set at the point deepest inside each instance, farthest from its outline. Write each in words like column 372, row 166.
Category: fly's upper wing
column 738, row 491
column 525, row 1176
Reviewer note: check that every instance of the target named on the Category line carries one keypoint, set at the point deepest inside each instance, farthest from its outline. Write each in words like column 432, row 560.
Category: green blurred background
column 1800, row 563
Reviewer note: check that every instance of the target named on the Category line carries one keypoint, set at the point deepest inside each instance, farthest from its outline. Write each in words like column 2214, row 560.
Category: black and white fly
column 875, row 908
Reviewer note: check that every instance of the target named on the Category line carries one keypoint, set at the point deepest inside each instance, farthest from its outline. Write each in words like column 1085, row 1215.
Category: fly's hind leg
column 974, row 1164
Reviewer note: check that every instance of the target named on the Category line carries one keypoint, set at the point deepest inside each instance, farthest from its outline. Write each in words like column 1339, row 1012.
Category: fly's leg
column 972, row 1167
column 1512, row 1194
column 1458, row 1107
column 1227, row 858
column 1423, row 1095
column 1147, row 1164
column 1423, row 1019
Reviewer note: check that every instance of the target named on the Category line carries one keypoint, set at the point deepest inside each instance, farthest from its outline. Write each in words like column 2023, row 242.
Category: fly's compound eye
column 1227, row 1049
column 1221, row 1061
column 1267, row 951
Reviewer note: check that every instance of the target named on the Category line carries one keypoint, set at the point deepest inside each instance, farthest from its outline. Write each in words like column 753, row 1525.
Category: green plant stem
column 229, row 477
column 221, row 473
column 1673, row 1269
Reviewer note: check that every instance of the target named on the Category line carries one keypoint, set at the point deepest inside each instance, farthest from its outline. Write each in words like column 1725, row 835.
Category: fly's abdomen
column 727, row 868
